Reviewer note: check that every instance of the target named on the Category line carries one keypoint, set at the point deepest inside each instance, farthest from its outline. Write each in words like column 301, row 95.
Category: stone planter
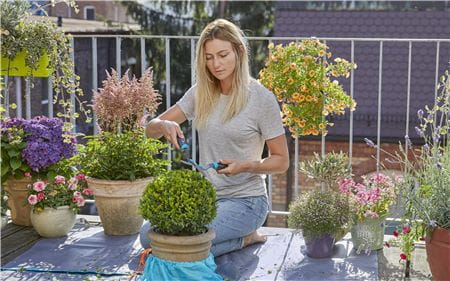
column 320, row 247
column 52, row 223
column 17, row 200
column 368, row 234
column 181, row 248
column 438, row 253
column 117, row 204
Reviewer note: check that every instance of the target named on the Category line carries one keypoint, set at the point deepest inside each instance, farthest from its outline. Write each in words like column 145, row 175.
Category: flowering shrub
column 426, row 183
column 58, row 192
column 318, row 213
column 34, row 146
column 370, row 199
column 123, row 103
column 300, row 77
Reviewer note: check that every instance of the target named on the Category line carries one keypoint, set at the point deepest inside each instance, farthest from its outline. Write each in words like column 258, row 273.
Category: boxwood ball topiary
column 179, row 202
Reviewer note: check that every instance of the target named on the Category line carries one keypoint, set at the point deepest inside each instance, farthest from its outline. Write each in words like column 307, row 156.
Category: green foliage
column 189, row 18
column 318, row 213
column 11, row 149
column 179, row 202
column 126, row 156
column 37, row 37
column 328, row 169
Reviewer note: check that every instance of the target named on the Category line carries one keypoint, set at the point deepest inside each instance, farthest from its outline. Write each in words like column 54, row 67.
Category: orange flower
column 290, row 81
column 309, row 98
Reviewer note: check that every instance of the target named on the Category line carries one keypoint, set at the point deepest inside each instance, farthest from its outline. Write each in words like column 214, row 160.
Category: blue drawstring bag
column 157, row 269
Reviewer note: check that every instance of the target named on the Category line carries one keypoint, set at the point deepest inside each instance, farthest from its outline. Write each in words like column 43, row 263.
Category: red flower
column 395, row 233
column 406, row 229
column 40, row 196
column 403, row 256
column 27, row 174
column 422, row 238
column 80, row 177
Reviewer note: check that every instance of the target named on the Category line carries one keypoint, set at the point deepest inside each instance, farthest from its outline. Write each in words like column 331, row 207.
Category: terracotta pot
column 368, row 234
column 17, row 200
column 53, row 222
column 438, row 253
column 181, row 248
column 320, row 247
column 117, row 204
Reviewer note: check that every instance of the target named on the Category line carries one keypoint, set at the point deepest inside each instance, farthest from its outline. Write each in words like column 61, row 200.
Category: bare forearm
column 274, row 164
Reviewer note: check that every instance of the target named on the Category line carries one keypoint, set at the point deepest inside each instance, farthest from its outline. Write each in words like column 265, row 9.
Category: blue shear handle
column 219, row 166
column 183, row 145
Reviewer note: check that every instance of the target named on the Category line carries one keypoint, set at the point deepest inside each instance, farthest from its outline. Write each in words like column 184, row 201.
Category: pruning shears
column 184, row 147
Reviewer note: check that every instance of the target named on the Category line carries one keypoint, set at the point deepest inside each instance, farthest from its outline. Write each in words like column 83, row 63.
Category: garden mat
column 89, row 254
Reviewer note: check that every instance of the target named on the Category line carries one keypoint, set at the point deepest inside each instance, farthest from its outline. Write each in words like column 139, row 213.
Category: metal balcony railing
column 192, row 42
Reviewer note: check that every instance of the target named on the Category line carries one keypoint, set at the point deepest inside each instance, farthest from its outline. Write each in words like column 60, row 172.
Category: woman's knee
column 143, row 235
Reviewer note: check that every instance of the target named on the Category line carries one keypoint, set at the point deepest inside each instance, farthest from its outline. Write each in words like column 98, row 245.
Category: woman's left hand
column 234, row 167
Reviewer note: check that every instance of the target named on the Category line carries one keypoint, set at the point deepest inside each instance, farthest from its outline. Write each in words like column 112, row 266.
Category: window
column 89, row 13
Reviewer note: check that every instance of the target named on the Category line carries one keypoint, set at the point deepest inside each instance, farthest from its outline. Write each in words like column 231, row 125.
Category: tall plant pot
column 53, row 222
column 117, row 204
column 368, row 234
column 438, row 253
column 320, row 247
column 181, row 248
column 17, row 200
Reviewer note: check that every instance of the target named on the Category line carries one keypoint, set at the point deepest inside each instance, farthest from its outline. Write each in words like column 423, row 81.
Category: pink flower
column 77, row 194
column 395, row 233
column 40, row 196
column 87, row 192
column 403, row 256
column 32, row 199
column 60, row 180
column 370, row 214
column 81, row 177
column 406, row 229
column 39, row 186
column 74, row 199
column 80, row 201
column 73, row 183
column 27, row 174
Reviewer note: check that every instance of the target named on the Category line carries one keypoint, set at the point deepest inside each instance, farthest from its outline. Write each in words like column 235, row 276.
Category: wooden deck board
column 16, row 240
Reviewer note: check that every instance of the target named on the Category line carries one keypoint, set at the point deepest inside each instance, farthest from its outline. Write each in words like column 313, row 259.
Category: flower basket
column 17, row 66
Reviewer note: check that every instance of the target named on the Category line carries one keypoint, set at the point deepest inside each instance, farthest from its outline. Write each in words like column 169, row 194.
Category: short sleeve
column 187, row 103
column 270, row 122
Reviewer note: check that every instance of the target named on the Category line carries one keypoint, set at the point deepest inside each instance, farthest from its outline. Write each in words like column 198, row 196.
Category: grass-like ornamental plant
column 179, row 202
column 318, row 213
column 300, row 76
column 126, row 156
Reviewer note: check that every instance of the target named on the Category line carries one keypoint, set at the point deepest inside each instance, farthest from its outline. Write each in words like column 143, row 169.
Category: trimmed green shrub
column 179, row 202
column 126, row 156
column 318, row 213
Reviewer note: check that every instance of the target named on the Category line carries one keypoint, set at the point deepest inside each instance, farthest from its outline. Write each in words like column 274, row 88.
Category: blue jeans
column 236, row 218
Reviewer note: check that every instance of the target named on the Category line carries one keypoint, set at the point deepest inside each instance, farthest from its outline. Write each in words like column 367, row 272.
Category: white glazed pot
column 53, row 222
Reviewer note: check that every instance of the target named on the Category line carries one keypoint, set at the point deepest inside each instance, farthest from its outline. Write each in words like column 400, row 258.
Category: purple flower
column 44, row 139
column 419, row 132
column 420, row 113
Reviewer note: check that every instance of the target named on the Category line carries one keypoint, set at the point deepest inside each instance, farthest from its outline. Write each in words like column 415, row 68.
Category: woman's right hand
column 171, row 132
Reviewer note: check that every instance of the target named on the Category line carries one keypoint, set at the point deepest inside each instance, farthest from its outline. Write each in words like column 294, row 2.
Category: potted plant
column 121, row 161
column 55, row 204
column 370, row 203
column 425, row 187
column 320, row 215
column 179, row 205
column 301, row 78
column 34, row 47
column 32, row 148
column 328, row 169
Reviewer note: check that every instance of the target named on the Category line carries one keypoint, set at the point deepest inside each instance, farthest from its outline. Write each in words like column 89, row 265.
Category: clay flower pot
column 438, row 253
column 17, row 200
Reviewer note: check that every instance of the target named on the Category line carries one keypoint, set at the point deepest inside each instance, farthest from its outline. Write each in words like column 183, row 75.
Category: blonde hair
column 208, row 86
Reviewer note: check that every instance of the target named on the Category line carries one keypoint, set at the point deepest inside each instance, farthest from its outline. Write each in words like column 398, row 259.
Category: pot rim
column 209, row 235
column 102, row 181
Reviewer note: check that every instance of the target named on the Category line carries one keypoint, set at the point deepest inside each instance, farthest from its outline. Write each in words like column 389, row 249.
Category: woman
column 235, row 116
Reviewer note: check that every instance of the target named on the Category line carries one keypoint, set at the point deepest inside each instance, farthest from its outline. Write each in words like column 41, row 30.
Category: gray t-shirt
column 241, row 138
